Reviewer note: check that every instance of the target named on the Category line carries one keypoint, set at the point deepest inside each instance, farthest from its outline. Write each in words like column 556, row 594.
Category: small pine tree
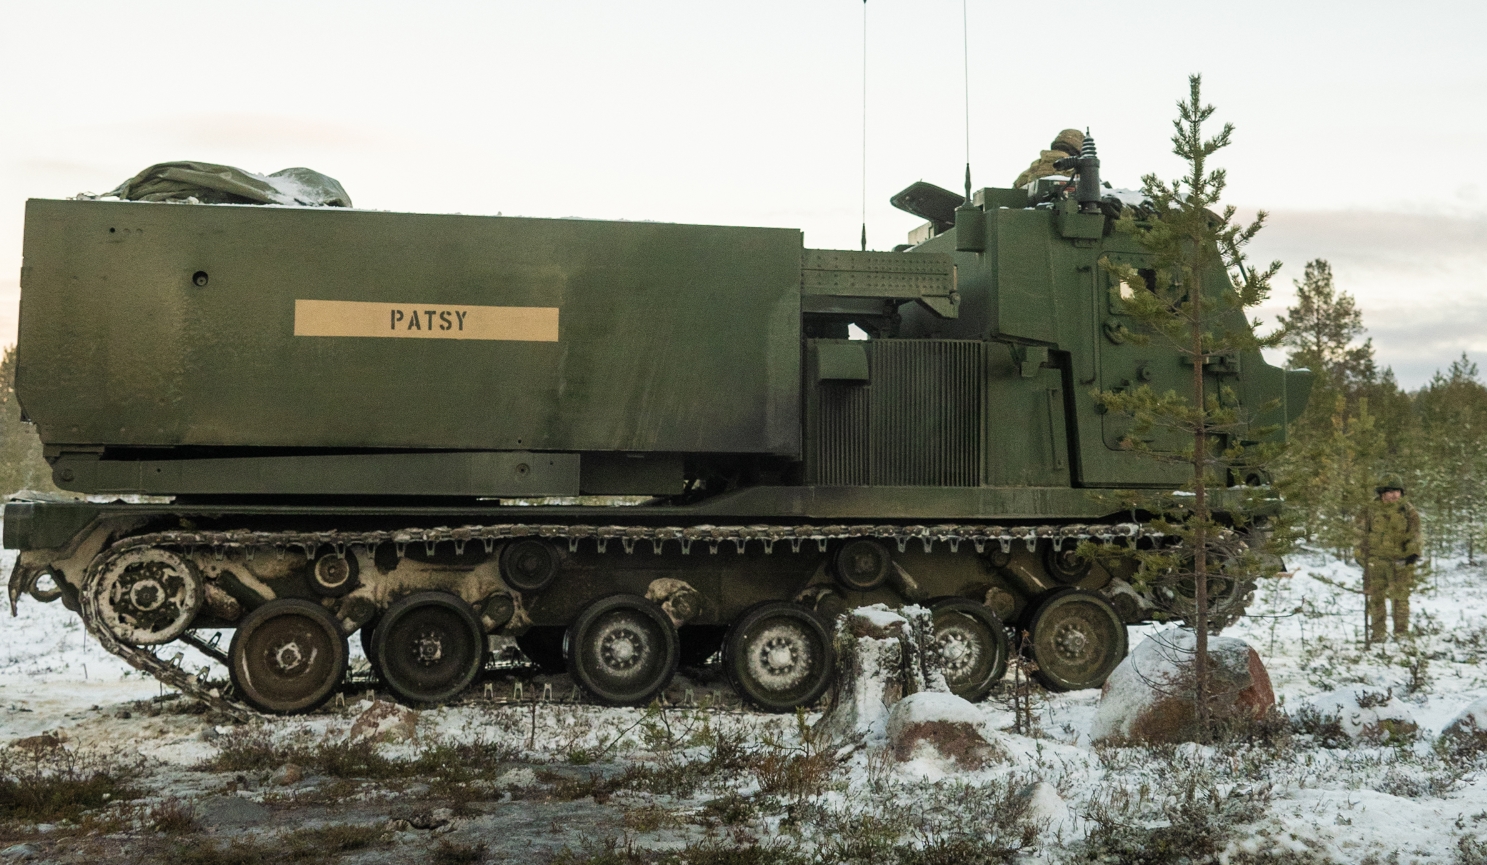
column 1197, row 306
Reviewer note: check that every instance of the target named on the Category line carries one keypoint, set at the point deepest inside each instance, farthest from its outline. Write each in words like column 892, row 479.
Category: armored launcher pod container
column 627, row 445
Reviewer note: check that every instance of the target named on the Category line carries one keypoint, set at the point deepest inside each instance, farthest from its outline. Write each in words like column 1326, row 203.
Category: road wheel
column 429, row 647
column 287, row 656
column 1077, row 640
column 622, row 649
column 973, row 647
column 778, row 656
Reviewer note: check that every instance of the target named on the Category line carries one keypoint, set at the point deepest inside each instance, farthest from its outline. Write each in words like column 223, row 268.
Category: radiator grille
column 916, row 423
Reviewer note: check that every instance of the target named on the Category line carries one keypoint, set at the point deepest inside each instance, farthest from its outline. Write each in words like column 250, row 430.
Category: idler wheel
column 1077, row 640
column 147, row 596
column 778, row 656
column 973, row 647
column 622, row 649
column 334, row 575
column 1064, row 564
column 429, row 647
column 862, row 565
column 287, row 656
column 529, row 565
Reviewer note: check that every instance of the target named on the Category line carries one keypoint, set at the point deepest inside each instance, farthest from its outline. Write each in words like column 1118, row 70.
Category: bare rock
column 1150, row 696
column 230, row 811
column 1357, row 713
column 435, row 819
column 943, row 724
column 1467, row 732
column 520, row 777
column 384, row 722
column 287, row 775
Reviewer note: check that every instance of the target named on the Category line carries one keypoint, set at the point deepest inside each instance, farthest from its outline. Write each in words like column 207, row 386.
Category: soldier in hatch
column 1067, row 143
column 1388, row 547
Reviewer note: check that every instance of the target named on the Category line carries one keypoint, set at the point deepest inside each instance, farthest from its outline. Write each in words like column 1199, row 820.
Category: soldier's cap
column 1069, row 141
column 1388, row 483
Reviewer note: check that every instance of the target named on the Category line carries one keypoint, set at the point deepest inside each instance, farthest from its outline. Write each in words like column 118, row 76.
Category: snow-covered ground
column 1288, row 795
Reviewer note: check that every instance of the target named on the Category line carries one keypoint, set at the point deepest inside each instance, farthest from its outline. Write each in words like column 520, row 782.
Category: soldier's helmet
column 1069, row 141
column 1390, row 482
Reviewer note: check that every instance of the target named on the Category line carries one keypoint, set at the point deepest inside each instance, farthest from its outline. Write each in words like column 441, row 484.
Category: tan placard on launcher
column 425, row 320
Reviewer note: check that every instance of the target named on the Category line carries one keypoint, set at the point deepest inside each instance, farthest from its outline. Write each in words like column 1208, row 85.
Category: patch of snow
column 927, row 706
column 1362, row 711
column 1046, row 807
column 879, row 616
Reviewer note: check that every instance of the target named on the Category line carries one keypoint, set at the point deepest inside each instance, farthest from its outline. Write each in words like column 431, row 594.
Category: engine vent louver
column 917, row 422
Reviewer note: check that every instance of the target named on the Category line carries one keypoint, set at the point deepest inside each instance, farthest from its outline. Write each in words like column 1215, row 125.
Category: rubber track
column 172, row 675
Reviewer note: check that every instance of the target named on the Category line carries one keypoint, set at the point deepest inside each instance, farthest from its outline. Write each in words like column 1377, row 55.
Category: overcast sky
column 1357, row 122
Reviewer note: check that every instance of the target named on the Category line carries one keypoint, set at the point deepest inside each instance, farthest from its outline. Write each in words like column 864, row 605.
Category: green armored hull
column 396, row 424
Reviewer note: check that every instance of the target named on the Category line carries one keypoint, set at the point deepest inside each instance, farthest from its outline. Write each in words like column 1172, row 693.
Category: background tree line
column 21, row 463
column 1360, row 427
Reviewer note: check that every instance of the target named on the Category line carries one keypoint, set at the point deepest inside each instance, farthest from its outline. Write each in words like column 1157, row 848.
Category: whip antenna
column 965, row 36
column 864, row 125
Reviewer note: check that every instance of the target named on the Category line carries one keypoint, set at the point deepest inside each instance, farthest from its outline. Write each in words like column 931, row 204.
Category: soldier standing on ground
column 1388, row 547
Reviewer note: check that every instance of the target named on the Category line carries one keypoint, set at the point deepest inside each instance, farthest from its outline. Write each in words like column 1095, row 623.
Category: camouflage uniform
column 1067, row 143
column 1388, row 547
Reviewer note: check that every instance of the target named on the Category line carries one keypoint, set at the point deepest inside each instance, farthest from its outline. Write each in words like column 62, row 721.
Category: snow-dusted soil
column 562, row 779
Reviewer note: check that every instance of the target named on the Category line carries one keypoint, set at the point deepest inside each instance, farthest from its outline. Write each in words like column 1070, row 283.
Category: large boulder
column 1357, row 713
column 1150, row 696
column 384, row 722
column 1467, row 732
column 941, row 724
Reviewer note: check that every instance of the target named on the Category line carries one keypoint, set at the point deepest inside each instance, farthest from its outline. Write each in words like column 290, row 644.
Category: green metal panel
column 1024, row 282
column 840, row 361
column 1026, row 431
column 675, row 338
column 467, row 473
column 830, row 274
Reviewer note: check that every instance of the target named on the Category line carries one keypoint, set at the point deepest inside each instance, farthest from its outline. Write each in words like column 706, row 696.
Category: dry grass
column 173, row 817
column 454, row 853
column 451, row 762
column 48, row 785
column 302, row 847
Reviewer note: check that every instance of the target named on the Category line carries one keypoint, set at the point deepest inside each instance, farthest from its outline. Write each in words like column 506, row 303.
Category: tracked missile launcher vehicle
column 627, row 445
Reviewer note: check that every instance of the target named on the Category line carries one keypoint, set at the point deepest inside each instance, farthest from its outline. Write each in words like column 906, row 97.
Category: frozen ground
column 533, row 781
